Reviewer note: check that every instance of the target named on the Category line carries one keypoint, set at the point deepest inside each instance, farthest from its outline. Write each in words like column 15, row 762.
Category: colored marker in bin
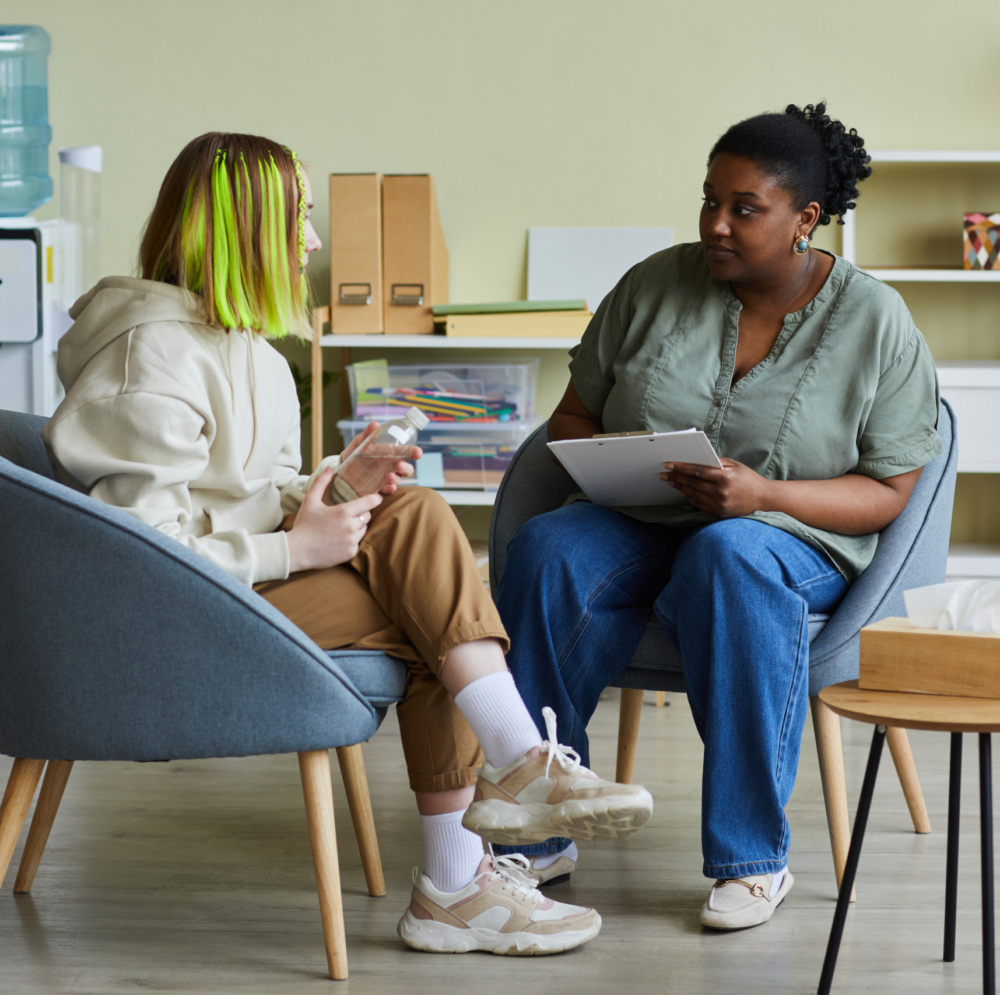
column 447, row 406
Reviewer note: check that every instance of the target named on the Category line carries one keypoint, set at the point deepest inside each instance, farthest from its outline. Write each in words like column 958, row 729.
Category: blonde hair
column 229, row 225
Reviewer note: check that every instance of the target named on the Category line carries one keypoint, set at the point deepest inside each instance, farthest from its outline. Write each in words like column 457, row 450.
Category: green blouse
column 849, row 387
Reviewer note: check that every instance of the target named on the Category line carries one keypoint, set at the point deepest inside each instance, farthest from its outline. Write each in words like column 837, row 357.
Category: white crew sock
column 452, row 854
column 494, row 709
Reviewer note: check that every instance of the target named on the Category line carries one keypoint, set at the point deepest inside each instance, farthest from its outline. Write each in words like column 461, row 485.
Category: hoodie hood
column 112, row 308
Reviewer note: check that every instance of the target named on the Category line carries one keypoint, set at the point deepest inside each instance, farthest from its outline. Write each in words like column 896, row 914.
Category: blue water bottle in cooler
column 25, row 132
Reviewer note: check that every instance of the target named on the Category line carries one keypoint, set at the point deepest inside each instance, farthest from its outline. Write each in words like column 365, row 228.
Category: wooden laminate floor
column 197, row 877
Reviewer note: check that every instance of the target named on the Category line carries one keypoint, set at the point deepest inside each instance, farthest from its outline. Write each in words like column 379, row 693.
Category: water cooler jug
column 25, row 134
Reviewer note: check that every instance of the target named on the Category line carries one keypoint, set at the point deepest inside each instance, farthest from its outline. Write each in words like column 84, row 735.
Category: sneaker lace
column 565, row 756
column 512, row 870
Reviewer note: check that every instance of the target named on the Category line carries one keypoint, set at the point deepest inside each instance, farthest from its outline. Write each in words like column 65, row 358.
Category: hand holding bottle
column 376, row 460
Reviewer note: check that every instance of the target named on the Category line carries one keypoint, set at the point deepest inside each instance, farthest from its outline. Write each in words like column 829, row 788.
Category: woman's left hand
column 733, row 491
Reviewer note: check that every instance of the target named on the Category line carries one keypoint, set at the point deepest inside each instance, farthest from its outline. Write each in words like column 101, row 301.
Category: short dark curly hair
column 808, row 153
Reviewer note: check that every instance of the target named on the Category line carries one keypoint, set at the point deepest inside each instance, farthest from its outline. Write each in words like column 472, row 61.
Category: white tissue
column 969, row 605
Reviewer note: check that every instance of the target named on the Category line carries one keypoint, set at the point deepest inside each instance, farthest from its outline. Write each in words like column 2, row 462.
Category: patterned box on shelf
column 460, row 456
column 470, row 393
column 981, row 248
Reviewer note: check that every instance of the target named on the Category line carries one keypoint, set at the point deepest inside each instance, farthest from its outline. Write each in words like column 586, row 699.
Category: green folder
column 509, row 307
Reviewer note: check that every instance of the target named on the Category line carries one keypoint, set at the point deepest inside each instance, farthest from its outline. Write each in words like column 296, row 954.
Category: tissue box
column 981, row 249
column 896, row 655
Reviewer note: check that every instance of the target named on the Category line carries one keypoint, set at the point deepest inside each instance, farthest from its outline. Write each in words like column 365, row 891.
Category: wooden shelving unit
column 972, row 387
column 321, row 316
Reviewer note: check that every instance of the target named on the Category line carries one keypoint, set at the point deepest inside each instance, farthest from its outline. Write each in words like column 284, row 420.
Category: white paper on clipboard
column 623, row 471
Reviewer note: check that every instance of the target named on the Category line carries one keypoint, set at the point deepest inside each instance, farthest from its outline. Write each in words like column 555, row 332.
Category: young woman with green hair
column 178, row 411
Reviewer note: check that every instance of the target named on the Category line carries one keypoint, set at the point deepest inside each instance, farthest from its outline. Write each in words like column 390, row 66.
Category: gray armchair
column 118, row 643
column 912, row 552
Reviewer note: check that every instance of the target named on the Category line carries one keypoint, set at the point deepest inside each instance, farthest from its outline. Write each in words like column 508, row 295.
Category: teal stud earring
column 801, row 245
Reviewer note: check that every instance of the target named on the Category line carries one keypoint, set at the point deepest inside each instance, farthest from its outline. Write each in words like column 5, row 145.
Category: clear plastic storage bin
column 453, row 392
column 457, row 456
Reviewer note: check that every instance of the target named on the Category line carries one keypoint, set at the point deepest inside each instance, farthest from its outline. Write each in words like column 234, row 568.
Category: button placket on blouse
column 725, row 388
column 724, row 384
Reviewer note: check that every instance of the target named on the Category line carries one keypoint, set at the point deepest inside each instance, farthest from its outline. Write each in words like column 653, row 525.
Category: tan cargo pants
column 414, row 591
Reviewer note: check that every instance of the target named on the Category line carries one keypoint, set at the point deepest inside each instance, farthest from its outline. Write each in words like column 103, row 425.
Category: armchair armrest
column 133, row 647
column 912, row 552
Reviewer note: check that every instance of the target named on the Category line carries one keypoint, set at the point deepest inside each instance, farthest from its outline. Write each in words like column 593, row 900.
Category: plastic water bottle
column 24, row 120
column 366, row 469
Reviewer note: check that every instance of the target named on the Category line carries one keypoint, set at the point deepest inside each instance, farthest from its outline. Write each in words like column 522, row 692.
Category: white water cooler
column 34, row 301
column 44, row 267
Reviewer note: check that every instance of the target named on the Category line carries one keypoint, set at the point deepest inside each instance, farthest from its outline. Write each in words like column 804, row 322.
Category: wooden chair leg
column 630, row 711
column 314, row 767
column 21, row 785
column 830, row 748
column 906, row 769
column 352, row 769
column 54, row 784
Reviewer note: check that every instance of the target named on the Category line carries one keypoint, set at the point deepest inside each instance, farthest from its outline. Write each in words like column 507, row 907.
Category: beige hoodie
column 192, row 429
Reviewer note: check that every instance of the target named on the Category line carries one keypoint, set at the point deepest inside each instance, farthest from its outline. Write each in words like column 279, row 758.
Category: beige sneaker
column 500, row 912
column 551, row 793
column 738, row 903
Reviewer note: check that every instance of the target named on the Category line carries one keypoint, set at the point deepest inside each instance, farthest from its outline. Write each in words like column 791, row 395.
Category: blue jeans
column 579, row 585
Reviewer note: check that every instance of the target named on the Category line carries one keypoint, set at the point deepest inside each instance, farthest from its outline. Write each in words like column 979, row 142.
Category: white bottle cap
column 418, row 418
column 88, row 157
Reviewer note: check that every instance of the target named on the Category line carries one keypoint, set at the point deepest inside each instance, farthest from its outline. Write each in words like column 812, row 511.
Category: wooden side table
column 944, row 713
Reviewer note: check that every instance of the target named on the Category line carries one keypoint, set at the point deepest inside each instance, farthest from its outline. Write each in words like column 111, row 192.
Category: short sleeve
column 592, row 366
column 900, row 432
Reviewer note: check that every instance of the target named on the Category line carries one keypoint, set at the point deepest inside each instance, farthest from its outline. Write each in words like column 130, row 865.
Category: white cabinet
column 932, row 183
column 973, row 390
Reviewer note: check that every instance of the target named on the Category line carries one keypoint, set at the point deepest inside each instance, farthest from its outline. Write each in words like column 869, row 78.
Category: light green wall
column 527, row 112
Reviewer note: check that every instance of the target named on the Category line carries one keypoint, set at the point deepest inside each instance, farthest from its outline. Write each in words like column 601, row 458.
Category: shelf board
column 915, row 274
column 937, row 155
column 931, row 274
column 969, row 372
column 973, row 560
column 971, row 466
column 435, row 341
column 468, row 498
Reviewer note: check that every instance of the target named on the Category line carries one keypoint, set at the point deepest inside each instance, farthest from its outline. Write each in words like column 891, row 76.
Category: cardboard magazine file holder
column 896, row 655
column 414, row 255
column 356, row 254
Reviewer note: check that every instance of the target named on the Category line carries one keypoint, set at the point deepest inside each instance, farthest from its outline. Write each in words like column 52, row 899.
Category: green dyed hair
column 229, row 225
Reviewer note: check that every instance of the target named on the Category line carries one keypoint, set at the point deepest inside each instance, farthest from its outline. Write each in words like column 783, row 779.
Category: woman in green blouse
column 819, row 394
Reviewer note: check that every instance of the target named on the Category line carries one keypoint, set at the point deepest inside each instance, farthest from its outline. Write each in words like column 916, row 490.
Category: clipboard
column 623, row 470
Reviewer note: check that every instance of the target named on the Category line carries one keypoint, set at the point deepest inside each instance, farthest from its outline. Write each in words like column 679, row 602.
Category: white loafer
column 556, row 868
column 739, row 903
